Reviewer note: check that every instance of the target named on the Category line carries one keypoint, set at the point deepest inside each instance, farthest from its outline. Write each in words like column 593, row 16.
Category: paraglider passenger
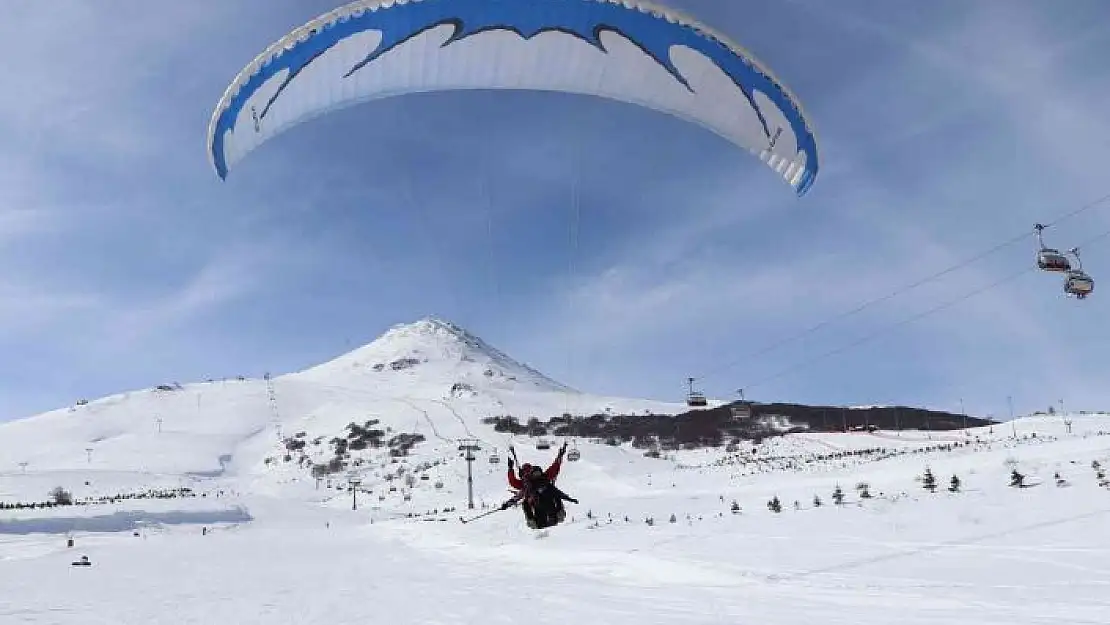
column 552, row 471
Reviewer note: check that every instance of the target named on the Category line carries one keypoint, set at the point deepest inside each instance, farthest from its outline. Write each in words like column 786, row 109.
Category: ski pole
column 484, row 514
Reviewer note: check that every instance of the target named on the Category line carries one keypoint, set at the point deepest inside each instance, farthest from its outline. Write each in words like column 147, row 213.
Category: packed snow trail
column 347, row 573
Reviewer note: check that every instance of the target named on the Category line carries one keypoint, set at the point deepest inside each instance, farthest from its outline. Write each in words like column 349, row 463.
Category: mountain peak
column 436, row 350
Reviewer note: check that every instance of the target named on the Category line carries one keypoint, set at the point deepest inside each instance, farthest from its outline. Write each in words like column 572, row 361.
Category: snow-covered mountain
column 429, row 378
column 433, row 351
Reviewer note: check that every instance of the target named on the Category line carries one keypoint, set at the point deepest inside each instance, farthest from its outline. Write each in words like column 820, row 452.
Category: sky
column 945, row 129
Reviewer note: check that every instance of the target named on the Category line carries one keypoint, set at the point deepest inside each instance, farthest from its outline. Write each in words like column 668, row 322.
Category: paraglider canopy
column 627, row 50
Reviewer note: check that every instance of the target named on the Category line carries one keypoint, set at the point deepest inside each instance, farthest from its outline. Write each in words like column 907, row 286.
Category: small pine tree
column 775, row 505
column 816, row 501
column 797, row 505
column 864, row 490
column 929, row 481
column 838, row 496
column 1017, row 480
column 673, row 518
column 954, row 484
column 735, row 507
column 61, row 496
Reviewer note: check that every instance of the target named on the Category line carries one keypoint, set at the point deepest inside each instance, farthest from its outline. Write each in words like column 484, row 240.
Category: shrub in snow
column 954, row 484
column 838, row 495
column 1017, row 479
column 673, row 518
column 864, row 490
column 929, row 481
column 735, row 507
column 61, row 497
column 774, row 505
column 816, row 501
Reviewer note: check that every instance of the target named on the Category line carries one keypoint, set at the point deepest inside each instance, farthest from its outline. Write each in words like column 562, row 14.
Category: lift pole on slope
column 1013, row 426
column 271, row 396
column 354, row 482
column 468, row 446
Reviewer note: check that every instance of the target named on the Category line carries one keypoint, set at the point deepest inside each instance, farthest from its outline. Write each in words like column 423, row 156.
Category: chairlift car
column 743, row 408
column 574, row 455
column 543, row 444
column 695, row 399
column 1078, row 284
column 494, row 458
column 1049, row 259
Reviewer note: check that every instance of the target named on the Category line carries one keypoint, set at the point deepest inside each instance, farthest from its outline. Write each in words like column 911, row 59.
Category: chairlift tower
column 468, row 446
column 23, row 466
column 271, row 396
column 88, row 452
column 354, row 481
column 1013, row 425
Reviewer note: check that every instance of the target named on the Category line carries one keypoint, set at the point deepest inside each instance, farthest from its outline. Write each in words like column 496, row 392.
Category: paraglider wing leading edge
column 634, row 52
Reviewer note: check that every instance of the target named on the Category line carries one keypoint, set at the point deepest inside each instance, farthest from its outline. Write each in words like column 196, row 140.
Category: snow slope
column 430, row 377
column 281, row 548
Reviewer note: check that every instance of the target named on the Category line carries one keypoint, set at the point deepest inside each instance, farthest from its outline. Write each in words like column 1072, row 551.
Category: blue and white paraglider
column 626, row 50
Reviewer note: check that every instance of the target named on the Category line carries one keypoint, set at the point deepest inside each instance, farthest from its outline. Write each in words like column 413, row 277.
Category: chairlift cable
column 425, row 228
column 900, row 291
column 869, row 337
column 491, row 257
column 572, row 264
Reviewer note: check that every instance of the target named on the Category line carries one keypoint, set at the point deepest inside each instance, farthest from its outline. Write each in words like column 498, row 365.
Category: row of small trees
column 62, row 497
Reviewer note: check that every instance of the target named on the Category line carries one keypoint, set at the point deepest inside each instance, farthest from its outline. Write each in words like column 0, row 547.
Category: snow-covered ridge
column 444, row 347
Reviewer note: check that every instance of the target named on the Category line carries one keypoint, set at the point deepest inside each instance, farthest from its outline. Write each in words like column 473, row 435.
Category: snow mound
column 69, row 519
